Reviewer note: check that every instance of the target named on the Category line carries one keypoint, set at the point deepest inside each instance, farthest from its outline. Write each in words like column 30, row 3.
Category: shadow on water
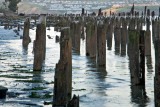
column 139, row 95
column 149, row 63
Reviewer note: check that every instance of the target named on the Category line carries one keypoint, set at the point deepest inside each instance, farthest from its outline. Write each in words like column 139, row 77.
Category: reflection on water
column 97, row 87
column 139, row 96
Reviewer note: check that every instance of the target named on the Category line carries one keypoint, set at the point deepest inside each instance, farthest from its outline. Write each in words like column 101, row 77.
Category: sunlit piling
column 63, row 72
column 101, row 45
column 91, row 38
column 40, row 45
column 26, row 38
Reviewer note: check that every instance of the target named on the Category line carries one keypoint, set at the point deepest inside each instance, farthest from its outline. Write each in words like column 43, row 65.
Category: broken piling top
column 42, row 19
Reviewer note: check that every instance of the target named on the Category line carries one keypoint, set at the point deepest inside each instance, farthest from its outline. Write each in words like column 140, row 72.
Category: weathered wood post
column 40, row 44
column 109, row 35
column 83, row 11
column 145, row 11
column 117, row 35
column 101, row 45
column 159, row 11
column 63, row 72
column 18, row 27
column 72, row 33
column 148, row 43
column 141, row 73
column 91, row 39
column 74, row 102
column 26, row 38
column 77, row 35
column 124, row 34
column 154, row 29
column 99, row 12
column 137, row 56
column 157, row 73
column 83, row 29
column 133, row 53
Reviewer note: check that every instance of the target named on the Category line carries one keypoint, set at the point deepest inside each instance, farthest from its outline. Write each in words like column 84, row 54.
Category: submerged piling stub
column 74, row 102
column 39, row 46
column 157, row 73
column 26, row 39
column 101, row 45
column 63, row 72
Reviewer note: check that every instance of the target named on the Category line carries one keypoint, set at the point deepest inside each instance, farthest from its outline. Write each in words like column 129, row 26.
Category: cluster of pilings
column 132, row 36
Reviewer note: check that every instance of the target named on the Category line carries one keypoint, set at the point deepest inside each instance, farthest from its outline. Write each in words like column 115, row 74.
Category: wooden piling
column 91, row 39
column 26, row 38
column 157, row 74
column 117, row 36
column 148, row 43
column 124, row 33
column 101, row 46
column 39, row 47
column 63, row 72
column 109, row 35
column 141, row 74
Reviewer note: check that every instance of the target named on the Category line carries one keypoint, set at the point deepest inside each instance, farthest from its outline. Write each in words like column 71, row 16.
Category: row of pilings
column 132, row 36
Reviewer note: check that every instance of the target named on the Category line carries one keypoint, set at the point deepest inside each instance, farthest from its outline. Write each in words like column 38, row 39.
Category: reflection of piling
column 63, row 72
column 157, row 74
column 26, row 38
column 101, row 45
column 39, row 46
column 91, row 38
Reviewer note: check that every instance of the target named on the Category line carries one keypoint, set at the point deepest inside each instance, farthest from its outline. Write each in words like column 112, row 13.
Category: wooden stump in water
column 26, row 38
column 63, row 72
column 109, row 35
column 117, row 36
column 39, row 47
column 3, row 91
column 137, row 56
column 132, row 24
column 148, row 43
column 142, row 57
column 157, row 73
column 124, row 34
column 91, row 39
column 101, row 46
column 74, row 102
